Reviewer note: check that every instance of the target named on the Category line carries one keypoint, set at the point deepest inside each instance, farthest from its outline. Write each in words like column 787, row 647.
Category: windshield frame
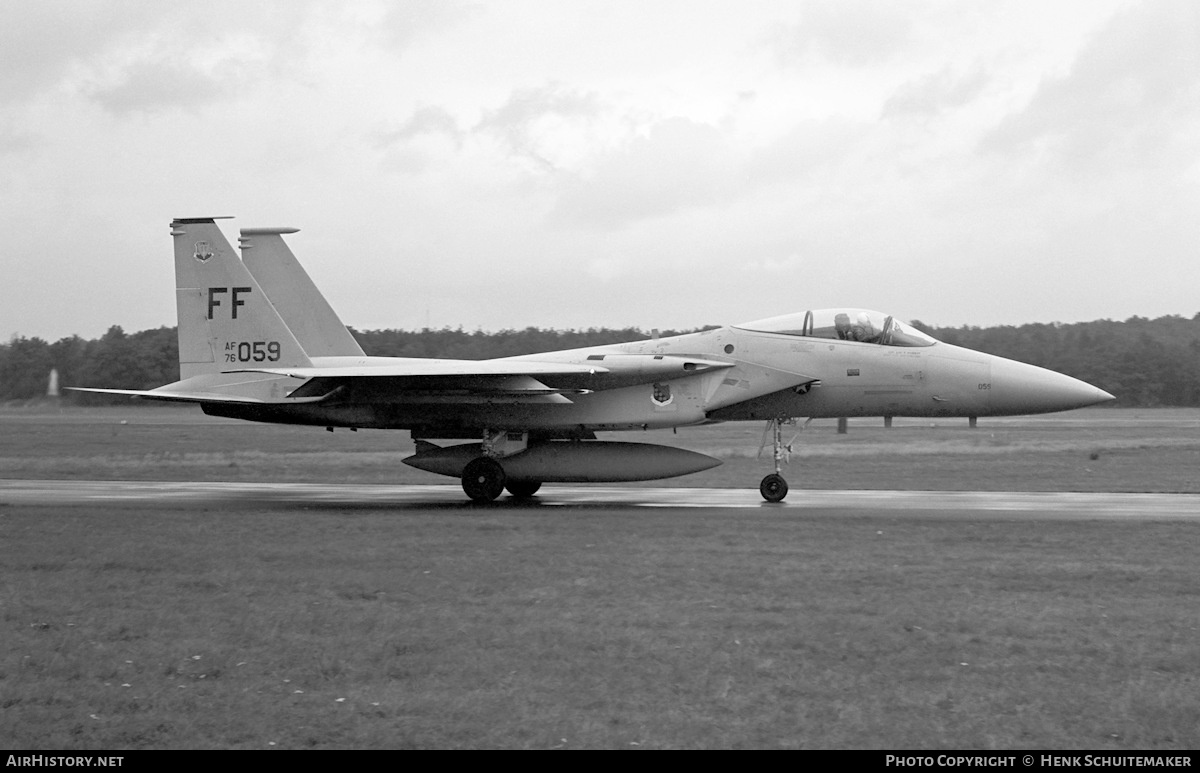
column 850, row 325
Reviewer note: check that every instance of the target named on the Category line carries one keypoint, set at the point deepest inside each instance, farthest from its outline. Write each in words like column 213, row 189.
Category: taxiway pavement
column 231, row 495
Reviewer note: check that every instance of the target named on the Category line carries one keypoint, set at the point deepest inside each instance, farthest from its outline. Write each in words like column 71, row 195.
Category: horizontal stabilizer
column 195, row 397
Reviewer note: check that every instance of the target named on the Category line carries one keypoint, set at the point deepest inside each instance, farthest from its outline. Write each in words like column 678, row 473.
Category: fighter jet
column 258, row 341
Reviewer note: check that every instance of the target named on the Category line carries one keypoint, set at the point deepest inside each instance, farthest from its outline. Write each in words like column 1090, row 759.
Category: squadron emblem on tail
column 202, row 252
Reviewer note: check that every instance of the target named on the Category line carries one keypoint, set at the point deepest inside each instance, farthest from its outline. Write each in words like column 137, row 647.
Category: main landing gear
column 483, row 480
column 523, row 489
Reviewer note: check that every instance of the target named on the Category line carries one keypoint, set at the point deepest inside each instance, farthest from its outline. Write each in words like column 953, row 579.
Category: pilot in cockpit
column 841, row 323
column 863, row 330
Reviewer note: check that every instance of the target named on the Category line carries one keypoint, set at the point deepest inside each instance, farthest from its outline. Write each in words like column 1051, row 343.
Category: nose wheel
column 773, row 488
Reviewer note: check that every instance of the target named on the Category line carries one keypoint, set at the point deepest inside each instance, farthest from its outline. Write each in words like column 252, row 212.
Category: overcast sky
column 575, row 164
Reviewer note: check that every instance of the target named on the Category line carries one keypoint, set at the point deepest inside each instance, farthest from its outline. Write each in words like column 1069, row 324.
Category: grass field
column 333, row 627
column 1088, row 450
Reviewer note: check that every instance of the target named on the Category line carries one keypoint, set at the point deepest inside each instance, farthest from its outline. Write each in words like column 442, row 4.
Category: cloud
column 810, row 151
column 935, row 93
column 14, row 141
column 846, row 32
column 405, row 151
column 428, row 120
column 698, row 144
column 42, row 41
column 552, row 125
column 142, row 55
column 179, row 62
column 532, row 119
column 405, row 21
column 157, row 83
column 1131, row 96
column 679, row 164
column 788, row 266
column 607, row 269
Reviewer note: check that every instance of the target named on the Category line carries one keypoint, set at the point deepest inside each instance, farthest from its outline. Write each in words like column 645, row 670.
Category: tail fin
column 294, row 295
column 226, row 321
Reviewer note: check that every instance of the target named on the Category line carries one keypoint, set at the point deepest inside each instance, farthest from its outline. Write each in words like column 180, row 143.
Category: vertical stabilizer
column 226, row 321
column 294, row 295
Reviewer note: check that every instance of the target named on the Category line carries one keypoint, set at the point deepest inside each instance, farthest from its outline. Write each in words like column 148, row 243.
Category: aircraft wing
column 419, row 368
column 504, row 380
column 428, row 381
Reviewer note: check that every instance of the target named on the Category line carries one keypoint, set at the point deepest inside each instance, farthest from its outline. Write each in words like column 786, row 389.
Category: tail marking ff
column 225, row 319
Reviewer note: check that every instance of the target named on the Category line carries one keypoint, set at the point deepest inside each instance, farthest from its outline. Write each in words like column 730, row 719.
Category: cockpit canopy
column 870, row 327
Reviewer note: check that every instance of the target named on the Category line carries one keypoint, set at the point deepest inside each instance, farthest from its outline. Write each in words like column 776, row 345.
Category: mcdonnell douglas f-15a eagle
column 258, row 341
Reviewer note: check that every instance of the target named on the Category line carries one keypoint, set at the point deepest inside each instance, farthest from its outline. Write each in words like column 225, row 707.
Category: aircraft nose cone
column 1020, row 388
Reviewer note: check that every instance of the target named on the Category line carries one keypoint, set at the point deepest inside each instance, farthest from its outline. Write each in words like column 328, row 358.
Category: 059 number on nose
column 252, row 351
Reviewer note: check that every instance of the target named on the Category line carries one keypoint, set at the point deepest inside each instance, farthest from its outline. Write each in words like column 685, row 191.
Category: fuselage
column 770, row 375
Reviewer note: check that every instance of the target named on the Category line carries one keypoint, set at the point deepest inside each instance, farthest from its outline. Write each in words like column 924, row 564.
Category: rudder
column 294, row 295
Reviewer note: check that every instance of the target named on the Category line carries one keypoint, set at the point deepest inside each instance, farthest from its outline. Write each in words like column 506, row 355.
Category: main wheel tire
column 773, row 488
column 523, row 489
column 483, row 479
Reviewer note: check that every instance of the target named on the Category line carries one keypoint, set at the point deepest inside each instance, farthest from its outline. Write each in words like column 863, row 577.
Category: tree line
column 1144, row 362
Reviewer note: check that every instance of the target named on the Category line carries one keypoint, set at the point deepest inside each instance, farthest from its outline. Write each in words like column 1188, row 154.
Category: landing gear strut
column 483, row 479
column 773, row 487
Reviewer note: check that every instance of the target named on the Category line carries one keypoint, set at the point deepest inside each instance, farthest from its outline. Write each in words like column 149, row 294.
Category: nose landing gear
column 773, row 487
